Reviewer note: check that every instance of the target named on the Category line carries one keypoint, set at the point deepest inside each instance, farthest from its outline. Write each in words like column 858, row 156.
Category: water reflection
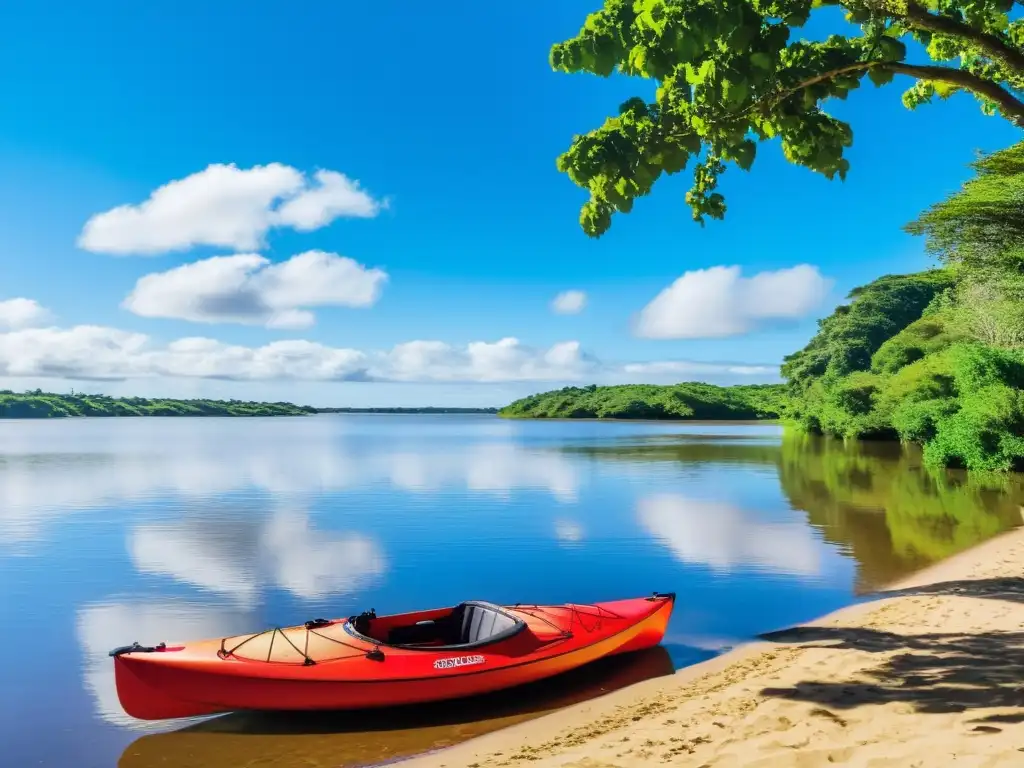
column 41, row 479
column 366, row 738
column 724, row 537
column 569, row 532
column 876, row 501
column 160, row 530
column 237, row 556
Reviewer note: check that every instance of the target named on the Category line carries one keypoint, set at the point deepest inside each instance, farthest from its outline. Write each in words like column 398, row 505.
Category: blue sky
column 455, row 119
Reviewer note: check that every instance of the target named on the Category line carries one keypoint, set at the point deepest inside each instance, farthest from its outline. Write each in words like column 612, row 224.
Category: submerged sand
column 930, row 674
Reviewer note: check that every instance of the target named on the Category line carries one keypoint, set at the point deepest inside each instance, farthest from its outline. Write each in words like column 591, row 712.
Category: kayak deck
column 369, row 661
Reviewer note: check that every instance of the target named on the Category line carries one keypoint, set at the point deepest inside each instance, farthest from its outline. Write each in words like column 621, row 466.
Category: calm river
column 154, row 529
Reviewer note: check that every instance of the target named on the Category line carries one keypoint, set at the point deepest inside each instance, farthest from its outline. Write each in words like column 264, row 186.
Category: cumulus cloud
column 98, row 353
column 503, row 360
column 247, row 288
column 569, row 302
column 228, row 207
column 22, row 313
column 724, row 537
column 101, row 353
column 720, row 302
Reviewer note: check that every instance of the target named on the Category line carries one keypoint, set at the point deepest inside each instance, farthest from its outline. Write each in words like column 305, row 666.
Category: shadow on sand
column 336, row 739
column 936, row 672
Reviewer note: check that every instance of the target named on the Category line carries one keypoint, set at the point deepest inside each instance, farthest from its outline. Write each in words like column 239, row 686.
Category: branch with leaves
column 729, row 77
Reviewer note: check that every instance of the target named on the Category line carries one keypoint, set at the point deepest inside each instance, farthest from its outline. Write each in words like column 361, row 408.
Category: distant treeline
column 37, row 404
column 427, row 409
column 689, row 400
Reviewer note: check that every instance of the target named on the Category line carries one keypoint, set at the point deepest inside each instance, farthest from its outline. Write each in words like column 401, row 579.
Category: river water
column 152, row 529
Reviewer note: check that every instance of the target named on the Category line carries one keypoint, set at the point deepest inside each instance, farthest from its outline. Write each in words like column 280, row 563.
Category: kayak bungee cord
column 310, row 627
column 574, row 614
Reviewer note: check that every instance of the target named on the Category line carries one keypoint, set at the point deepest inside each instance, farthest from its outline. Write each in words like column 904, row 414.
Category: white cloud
column 719, row 302
column 335, row 196
column 228, row 207
column 22, row 313
column 247, row 288
column 503, row 360
column 569, row 302
column 99, row 353
column 723, row 537
column 88, row 352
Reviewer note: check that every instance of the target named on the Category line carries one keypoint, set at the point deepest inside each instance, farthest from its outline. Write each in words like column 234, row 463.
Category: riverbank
column 51, row 405
column 929, row 674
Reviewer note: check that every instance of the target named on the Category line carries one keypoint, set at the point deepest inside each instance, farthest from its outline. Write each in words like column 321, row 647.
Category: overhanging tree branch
column 995, row 46
column 1011, row 107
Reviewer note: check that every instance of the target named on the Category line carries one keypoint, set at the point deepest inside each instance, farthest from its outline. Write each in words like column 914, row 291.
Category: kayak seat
column 482, row 623
column 470, row 624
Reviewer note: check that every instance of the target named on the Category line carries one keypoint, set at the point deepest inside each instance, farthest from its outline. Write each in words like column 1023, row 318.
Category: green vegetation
column 47, row 405
column 731, row 74
column 935, row 358
column 691, row 400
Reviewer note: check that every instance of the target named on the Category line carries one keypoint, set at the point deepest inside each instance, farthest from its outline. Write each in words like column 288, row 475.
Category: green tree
column 979, row 231
column 729, row 76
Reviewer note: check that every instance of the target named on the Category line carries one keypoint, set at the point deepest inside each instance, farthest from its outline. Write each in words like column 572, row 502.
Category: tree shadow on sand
column 1009, row 589
column 937, row 672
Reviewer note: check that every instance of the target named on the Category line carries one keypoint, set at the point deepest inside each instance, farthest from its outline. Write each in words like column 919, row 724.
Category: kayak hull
column 194, row 679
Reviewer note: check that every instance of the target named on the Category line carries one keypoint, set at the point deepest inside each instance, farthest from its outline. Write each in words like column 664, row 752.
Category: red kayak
column 377, row 661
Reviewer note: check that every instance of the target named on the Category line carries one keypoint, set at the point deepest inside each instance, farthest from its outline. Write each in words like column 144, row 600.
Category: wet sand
column 931, row 673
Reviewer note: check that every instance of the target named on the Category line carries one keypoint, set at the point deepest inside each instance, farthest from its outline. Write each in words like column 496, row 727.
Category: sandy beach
column 929, row 674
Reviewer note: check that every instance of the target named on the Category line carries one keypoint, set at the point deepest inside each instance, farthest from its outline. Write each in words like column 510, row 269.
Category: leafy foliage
column 729, row 76
column 848, row 339
column 962, row 400
column 647, row 401
column 37, row 404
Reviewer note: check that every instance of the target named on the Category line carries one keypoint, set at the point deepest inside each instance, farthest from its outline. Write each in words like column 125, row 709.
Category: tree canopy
column 849, row 337
column 729, row 76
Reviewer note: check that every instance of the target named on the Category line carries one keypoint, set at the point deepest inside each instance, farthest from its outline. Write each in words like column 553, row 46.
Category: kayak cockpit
column 471, row 624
